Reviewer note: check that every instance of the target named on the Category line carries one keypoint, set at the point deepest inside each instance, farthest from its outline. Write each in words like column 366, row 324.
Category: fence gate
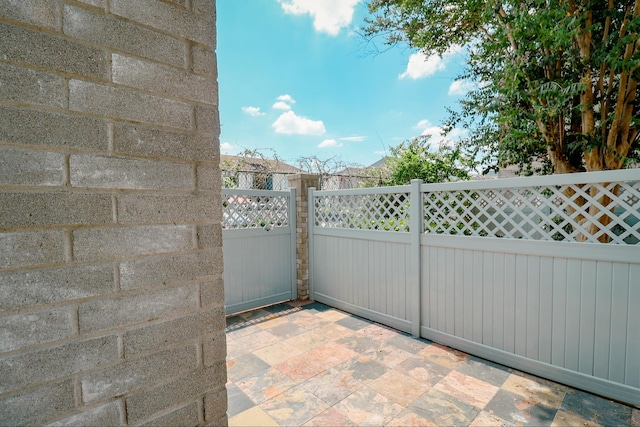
column 259, row 248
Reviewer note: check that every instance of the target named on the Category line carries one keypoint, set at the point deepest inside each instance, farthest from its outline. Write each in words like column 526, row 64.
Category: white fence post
column 311, row 221
column 293, row 254
column 414, row 275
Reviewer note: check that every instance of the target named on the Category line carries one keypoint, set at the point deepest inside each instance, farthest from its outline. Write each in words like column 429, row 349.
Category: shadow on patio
column 309, row 364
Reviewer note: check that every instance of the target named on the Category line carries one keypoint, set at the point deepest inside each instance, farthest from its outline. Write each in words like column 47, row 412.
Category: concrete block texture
column 162, row 270
column 104, row 415
column 33, row 367
column 55, row 208
column 145, row 141
column 166, row 18
column 33, row 406
column 31, row 168
column 137, row 209
column 136, row 373
column 128, row 309
column 176, row 392
column 128, row 104
column 25, row 248
column 31, row 288
column 32, row 127
column 91, row 171
column 158, row 335
column 108, row 243
column 115, row 33
column 186, row 415
column 37, row 12
column 215, row 405
column 111, row 294
column 21, row 84
column 162, row 79
column 44, row 50
column 35, row 327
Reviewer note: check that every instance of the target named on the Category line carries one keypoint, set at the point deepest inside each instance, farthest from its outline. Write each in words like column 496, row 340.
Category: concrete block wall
column 111, row 294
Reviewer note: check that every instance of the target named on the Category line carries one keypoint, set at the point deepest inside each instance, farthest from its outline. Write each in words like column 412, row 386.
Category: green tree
column 556, row 79
column 414, row 159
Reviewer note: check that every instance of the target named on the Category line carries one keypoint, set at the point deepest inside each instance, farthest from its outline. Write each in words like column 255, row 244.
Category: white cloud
column 356, row 138
column 291, row 124
column 460, row 87
column 228, row 148
column 253, row 111
column 280, row 105
column 437, row 139
column 329, row 143
column 329, row 16
column 286, row 98
column 420, row 65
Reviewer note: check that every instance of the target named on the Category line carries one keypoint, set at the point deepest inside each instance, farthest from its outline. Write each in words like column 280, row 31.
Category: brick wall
column 111, row 296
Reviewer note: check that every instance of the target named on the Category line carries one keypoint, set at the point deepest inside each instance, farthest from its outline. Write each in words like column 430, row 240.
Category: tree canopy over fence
column 555, row 80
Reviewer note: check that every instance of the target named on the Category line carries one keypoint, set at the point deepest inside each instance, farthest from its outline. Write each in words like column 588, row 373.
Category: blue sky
column 295, row 77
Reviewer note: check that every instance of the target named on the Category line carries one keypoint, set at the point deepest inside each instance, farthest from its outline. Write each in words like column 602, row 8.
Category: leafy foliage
column 556, row 80
column 414, row 160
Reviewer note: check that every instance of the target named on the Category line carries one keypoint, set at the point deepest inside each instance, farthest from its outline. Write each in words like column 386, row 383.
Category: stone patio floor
column 308, row 364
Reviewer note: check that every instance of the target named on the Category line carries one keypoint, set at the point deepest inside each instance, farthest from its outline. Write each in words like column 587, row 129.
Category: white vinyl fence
column 511, row 270
column 259, row 248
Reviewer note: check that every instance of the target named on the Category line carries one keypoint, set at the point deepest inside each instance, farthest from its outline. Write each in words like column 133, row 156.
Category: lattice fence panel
column 385, row 212
column 573, row 212
column 254, row 211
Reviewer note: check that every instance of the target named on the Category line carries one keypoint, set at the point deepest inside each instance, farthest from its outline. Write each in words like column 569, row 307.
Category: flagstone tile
column 377, row 332
column 467, row 389
column 286, row 330
column 294, row 407
column 520, row 410
column 567, row 418
column 410, row 418
column 398, row 387
column 311, row 323
column 407, row 343
column 388, row 356
column 306, row 341
column 316, row 307
column 442, row 355
column 354, row 323
column 536, row 389
column 265, row 384
column 360, row 343
column 237, row 401
column 366, row 407
column 484, row 370
column 485, row 419
column 331, row 385
column 256, row 315
column 277, row 353
column 257, row 340
column 244, row 366
column 330, row 418
column 331, row 332
column 635, row 417
column 234, row 349
column 255, row 416
column 362, row 368
column 242, row 330
column 272, row 323
column 443, row 409
column 422, row 370
column 596, row 409
column 331, row 354
column 332, row 315
column 302, row 367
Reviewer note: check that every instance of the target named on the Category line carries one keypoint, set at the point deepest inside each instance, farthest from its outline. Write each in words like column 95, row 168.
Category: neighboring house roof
column 257, row 164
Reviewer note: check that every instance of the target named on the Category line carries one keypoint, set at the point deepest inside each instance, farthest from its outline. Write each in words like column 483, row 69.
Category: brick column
column 302, row 183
